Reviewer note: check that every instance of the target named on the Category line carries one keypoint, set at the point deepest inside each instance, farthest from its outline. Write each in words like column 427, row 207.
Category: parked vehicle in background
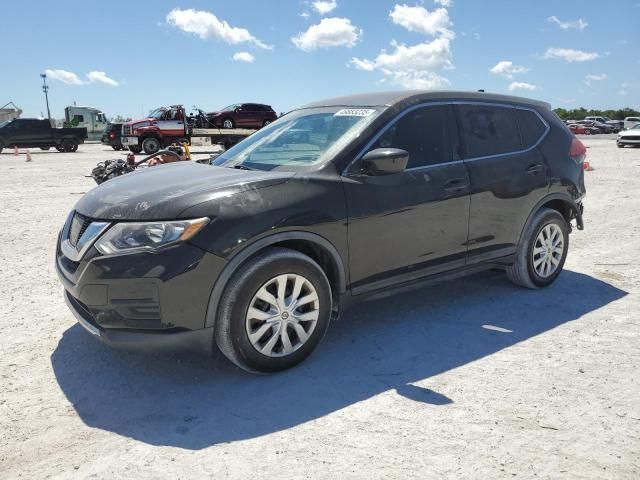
column 243, row 115
column 618, row 125
column 630, row 136
column 35, row 133
column 112, row 136
column 583, row 129
column 88, row 117
column 598, row 119
column 630, row 122
column 168, row 125
column 336, row 201
column 601, row 127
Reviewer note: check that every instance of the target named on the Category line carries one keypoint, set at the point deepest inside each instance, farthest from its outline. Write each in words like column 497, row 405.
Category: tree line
column 580, row 113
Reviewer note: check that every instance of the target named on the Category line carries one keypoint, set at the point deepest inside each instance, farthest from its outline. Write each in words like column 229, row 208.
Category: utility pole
column 45, row 89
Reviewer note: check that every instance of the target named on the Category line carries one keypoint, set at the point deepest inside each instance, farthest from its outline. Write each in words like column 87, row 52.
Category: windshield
column 157, row 113
column 299, row 140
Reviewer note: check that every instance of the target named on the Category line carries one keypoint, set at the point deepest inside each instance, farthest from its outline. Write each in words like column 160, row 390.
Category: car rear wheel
column 542, row 251
column 228, row 123
column 150, row 145
column 274, row 312
column 45, row 148
column 266, row 122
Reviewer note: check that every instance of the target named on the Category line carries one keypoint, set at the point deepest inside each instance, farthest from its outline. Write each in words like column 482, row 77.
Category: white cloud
column 324, row 7
column 412, row 66
column 330, row 32
column 623, row 92
column 63, row 76
column 570, row 55
column 101, row 77
column 597, row 78
column 579, row 24
column 419, row 19
column 71, row 78
column 207, row 25
column 507, row 69
column 444, row 3
column 243, row 57
column 415, row 66
column 521, row 86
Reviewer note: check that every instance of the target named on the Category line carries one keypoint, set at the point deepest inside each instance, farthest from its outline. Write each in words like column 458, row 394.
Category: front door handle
column 535, row 169
column 456, row 185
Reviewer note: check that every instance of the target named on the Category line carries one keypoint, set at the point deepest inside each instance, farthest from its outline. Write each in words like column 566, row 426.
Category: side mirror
column 238, row 110
column 385, row 161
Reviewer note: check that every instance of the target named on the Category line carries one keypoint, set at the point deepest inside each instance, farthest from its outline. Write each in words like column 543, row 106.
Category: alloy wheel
column 282, row 315
column 548, row 250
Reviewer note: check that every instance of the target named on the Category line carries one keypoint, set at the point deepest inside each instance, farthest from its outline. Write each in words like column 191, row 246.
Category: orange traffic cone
column 28, row 157
column 15, row 150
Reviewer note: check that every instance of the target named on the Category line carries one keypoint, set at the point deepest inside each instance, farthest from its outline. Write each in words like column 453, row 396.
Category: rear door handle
column 456, row 185
column 535, row 169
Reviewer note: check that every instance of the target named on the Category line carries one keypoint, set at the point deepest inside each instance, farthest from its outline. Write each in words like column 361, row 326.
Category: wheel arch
column 314, row 246
column 561, row 203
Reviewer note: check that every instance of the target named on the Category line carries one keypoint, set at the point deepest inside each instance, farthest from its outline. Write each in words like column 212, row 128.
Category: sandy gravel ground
column 472, row 379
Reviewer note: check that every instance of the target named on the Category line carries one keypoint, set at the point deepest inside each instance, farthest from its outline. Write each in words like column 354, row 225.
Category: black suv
column 335, row 201
column 243, row 115
column 112, row 136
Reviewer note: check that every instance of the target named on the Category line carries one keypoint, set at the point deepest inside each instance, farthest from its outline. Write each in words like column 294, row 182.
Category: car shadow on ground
column 192, row 402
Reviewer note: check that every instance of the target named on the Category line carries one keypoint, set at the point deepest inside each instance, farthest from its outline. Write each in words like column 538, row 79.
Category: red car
column 583, row 129
column 243, row 115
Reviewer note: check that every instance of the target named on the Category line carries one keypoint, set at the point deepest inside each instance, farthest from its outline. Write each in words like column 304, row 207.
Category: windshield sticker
column 354, row 112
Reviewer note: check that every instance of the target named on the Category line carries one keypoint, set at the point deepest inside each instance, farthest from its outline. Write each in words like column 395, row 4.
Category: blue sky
column 127, row 57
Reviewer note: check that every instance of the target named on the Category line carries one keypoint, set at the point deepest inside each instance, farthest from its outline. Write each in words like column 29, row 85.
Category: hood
column 632, row 132
column 164, row 192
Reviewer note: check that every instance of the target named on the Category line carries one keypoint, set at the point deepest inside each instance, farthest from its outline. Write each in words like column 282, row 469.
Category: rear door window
column 531, row 127
column 489, row 130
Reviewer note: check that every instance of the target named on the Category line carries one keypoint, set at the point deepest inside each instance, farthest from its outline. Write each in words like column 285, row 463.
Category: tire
column 620, row 145
column 135, row 149
column 228, row 123
column 523, row 272
column 115, row 147
column 266, row 122
column 151, row 145
column 69, row 145
column 44, row 149
column 59, row 148
column 265, row 273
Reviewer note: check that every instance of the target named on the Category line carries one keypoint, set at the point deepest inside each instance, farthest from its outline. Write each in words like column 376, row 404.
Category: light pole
column 45, row 89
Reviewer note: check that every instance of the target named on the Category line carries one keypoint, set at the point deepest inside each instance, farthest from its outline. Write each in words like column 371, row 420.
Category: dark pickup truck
column 34, row 133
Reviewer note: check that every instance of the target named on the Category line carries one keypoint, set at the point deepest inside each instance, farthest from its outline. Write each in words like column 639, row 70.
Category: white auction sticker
column 354, row 112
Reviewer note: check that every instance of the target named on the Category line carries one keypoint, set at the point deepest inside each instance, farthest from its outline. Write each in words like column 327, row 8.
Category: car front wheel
column 274, row 312
column 542, row 251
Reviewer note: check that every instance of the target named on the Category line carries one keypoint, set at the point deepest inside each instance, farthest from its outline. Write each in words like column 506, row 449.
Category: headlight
column 135, row 237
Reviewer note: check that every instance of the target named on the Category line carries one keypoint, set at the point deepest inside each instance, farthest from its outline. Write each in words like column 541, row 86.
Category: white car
column 629, row 122
column 629, row 137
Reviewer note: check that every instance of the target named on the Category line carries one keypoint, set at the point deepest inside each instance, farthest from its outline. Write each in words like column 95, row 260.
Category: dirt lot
column 472, row 379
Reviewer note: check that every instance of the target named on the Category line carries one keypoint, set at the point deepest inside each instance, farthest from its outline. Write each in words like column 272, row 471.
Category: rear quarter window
column 531, row 127
column 489, row 130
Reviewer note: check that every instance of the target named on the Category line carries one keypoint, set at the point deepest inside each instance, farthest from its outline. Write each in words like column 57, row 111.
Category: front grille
column 631, row 137
column 126, row 130
column 78, row 226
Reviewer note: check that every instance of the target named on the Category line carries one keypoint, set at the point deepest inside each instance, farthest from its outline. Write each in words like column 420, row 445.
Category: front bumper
column 144, row 300
column 195, row 340
column 627, row 141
